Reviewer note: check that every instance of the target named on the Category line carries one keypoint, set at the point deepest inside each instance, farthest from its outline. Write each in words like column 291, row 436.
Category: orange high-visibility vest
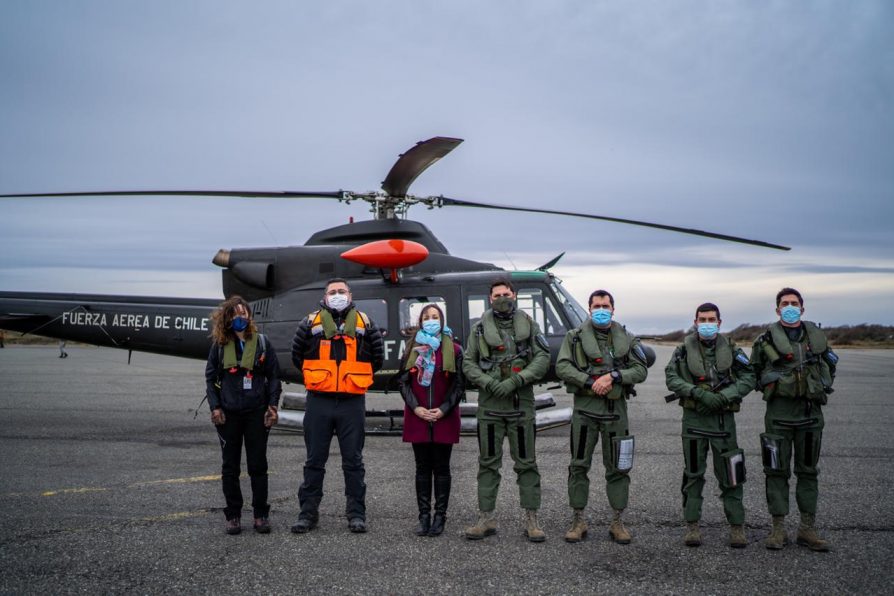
column 348, row 376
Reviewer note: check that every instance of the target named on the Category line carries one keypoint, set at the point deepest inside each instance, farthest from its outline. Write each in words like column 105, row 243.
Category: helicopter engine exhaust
column 387, row 254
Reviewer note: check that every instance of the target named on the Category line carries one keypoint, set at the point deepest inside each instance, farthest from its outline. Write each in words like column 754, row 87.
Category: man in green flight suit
column 710, row 375
column 795, row 368
column 600, row 363
column 505, row 355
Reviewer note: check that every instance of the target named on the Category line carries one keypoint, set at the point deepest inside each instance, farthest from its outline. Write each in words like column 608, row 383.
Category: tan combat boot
column 532, row 529
column 578, row 529
column 807, row 535
column 693, row 535
column 737, row 537
column 777, row 538
column 617, row 531
column 485, row 526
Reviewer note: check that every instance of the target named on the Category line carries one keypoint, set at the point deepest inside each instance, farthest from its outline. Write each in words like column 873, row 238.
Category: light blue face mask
column 708, row 330
column 431, row 327
column 790, row 314
column 601, row 317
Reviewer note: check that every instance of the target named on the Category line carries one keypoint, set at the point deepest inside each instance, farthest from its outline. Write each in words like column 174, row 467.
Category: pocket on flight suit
column 622, row 453
column 734, row 465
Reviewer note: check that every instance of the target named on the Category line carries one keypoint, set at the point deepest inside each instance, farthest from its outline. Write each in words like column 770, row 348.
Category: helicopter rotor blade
column 445, row 201
column 284, row 194
column 415, row 161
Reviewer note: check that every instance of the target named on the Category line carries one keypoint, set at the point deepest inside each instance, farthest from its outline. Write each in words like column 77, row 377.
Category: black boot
column 423, row 499
column 442, row 497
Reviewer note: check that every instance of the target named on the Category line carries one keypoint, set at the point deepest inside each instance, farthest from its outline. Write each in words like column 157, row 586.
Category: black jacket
column 306, row 345
column 225, row 388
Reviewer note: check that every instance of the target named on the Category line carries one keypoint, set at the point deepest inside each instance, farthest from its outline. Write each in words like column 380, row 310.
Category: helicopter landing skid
column 391, row 421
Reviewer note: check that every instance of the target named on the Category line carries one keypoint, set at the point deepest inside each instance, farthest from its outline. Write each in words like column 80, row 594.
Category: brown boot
column 578, row 529
column 485, row 526
column 532, row 529
column 777, row 538
column 693, row 535
column 807, row 535
column 737, row 537
column 617, row 531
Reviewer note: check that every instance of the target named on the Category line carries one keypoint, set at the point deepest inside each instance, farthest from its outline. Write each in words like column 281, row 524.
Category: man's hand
column 217, row 417
column 602, row 385
column 271, row 416
column 497, row 388
column 708, row 402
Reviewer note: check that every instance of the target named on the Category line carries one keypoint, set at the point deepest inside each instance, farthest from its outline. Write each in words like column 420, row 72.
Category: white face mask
column 337, row 302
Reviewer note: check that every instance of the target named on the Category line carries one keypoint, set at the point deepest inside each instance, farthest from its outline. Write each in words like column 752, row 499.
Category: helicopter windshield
column 576, row 313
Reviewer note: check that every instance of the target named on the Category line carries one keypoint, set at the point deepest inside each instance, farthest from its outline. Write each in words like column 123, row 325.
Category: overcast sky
column 769, row 120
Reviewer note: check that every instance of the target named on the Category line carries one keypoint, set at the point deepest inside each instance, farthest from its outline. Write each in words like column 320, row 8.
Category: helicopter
column 394, row 266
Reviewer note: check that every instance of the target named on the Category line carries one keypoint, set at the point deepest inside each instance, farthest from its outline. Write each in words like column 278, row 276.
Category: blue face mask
column 431, row 327
column 708, row 330
column 790, row 314
column 601, row 317
column 239, row 324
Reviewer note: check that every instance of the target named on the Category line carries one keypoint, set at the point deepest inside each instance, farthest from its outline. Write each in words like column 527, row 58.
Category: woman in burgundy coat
column 431, row 383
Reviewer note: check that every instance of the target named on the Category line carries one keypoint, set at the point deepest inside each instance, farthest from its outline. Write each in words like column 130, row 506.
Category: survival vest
column 325, row 374
column 696, row 371
column 798, row 369
column 254, row 351
column 493, row 352
column 590, row 359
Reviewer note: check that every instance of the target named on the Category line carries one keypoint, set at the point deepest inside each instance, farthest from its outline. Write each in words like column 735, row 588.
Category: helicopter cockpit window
column 530, row 300
column 411, row 307
column 575, row 312
column 377, row 310
column 543, row 311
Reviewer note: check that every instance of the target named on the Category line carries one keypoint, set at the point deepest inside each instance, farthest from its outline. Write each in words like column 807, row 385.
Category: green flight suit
column 497, row 350
column 724, row 366
column 586, row 353
column 795, row 374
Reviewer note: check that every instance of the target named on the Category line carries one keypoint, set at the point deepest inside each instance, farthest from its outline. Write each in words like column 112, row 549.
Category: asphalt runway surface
column 110, row 486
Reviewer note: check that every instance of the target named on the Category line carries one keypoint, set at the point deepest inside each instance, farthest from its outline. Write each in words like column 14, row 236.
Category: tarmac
column 112, row 486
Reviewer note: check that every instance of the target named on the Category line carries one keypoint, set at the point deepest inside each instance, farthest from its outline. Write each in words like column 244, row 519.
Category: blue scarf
column 427, row 345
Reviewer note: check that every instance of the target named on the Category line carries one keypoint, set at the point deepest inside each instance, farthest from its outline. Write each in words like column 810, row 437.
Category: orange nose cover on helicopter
column 387, row 254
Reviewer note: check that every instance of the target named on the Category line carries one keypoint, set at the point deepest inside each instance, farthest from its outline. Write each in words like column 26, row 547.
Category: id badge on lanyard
column 246, row 381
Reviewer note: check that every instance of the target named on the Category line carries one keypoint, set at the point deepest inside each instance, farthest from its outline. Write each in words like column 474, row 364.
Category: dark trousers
column 344, row 416
column 432, row 469
column 433, row 459
column 247, row 427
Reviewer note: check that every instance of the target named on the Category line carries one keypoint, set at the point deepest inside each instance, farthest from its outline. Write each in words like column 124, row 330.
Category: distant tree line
column 859, row 335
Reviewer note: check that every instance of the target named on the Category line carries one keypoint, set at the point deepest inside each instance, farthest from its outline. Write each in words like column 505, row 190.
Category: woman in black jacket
column 243, row 386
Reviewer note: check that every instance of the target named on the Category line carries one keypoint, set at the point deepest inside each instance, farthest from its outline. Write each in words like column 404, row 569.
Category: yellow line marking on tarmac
column 174, row 516
column 96, row 489
column 64, row 491
column 211, row 478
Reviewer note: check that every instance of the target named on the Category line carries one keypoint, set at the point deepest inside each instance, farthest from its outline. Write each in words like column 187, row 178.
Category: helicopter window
column 576, row 313
column 377, row 310
column 478, row 303
column 411, row 307
column 531, row 301
column 554, row 325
